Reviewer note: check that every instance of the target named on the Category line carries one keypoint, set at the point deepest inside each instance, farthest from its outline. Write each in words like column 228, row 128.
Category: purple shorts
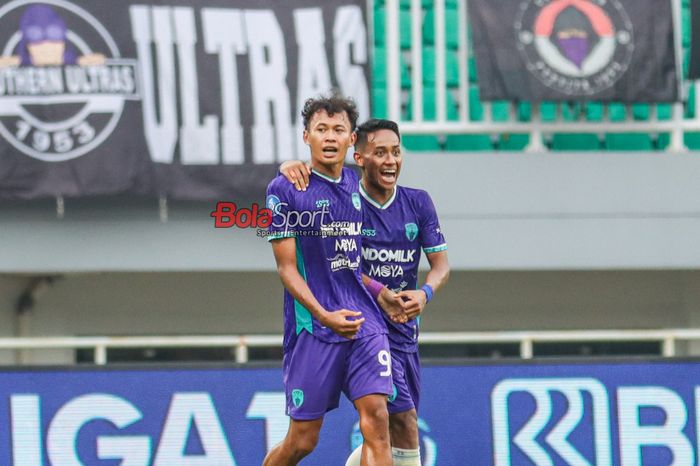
column 405, row 368
column 315, row 372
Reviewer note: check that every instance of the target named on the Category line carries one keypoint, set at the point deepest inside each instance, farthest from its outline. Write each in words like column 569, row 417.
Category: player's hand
column 344, row 322
column 414, row 302
column 8, row 61
column 392, row 304
column 297, row 172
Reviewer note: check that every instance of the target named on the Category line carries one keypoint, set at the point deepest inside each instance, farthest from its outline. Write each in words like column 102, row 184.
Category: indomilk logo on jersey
column 63, row 82
column 578, row 47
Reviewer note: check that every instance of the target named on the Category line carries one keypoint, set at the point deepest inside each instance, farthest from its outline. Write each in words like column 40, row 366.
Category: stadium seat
column 548, row 111
column 405, row 29
column 379, row 27
column 421, row 143
column 690, row 103
column 468, row 142
column 523, row 111
column 575, row 142
column 451, row 27
column 594, row 111
column 500, row 110
column 476, row 109
column 471, row 63
column 628, row 141
column 379, row 67
column 513, row 142
column 692, row 141
column 451, row 67
column 663, row 111
column 379, row 102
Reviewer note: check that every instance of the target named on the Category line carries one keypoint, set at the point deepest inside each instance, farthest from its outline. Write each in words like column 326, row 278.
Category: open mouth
column 330, row 150
column 388, row 175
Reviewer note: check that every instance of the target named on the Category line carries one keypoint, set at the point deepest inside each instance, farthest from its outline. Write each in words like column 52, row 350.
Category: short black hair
column 332, row 104
column 371, row 126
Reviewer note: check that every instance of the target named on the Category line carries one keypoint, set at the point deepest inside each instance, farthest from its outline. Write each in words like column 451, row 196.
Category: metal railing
column 536, row 128
column 667, row 338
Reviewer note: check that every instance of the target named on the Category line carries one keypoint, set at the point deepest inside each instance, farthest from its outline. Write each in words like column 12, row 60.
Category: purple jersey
column 393, row 235
column 326, row 222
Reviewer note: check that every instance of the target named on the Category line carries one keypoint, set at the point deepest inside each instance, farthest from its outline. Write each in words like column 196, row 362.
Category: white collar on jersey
column 326, row 177
column 376, row 204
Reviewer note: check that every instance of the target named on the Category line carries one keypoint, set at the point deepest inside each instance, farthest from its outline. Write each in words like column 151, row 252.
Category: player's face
column 47, row 53
column 381, row 160
column 329, row 138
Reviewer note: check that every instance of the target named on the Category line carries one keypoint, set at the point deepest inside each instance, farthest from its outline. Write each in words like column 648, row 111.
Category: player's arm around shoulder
column 339, row 321
column 296, row 172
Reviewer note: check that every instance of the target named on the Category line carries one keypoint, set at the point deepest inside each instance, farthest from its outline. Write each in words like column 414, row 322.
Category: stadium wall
column 512, row 211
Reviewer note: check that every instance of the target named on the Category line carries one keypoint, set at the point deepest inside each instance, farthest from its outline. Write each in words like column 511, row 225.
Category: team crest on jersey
column 297, row 397
column 356, row 201
column 56, row 55
column 411, row 231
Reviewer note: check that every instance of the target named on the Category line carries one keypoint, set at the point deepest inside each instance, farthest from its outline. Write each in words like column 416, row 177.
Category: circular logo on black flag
column 577, row 47
column 63, row 82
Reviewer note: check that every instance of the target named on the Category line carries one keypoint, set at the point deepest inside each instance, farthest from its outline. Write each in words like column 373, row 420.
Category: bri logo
column 554, row 421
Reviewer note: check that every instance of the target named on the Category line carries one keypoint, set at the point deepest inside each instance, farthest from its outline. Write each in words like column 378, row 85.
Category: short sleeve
column 431, row 237
column 280, row 201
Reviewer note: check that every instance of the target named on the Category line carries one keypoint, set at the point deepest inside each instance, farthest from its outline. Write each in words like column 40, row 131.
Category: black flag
column 575, row 50
column 694, row 70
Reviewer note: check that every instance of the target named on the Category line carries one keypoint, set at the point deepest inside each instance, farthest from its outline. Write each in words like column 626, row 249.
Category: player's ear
column 353, row 138
column 306, row 137
column 358, row 159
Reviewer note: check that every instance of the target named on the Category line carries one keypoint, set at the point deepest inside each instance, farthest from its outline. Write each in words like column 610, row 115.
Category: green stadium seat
column 379, row 26
column 379, row 102
column 523, row 111
column 468, row 142
column 686, row 29
column 451, row 27
column 548, row 111
column 690, row 104
column 628, row 141
column 594, row 111
column 428, row 55
column 692, row 141
column 662, row 141
column 663, row 111
column 405, row 29
column 471, row 63
column 379, row 67
column 500, row 111
column 513, row 142
column 421, row 143
column 640, row 111
column 575, row 142
column 617, row 112
column 429, row 110
column 476, row 109
column 571, row 111
column 451, row 67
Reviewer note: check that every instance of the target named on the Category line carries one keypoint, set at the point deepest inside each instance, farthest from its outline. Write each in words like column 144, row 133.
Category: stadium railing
column 526, row 340
column 424, row 77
